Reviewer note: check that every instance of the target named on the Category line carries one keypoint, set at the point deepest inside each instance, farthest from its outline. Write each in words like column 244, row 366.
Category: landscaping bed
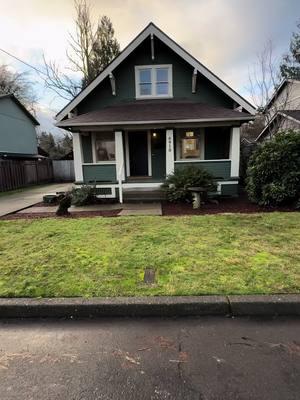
column 191, row 255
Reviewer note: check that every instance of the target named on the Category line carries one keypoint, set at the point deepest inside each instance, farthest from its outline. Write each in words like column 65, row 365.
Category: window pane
column 162, row 88
column 105, row 146
column 145, row 89
column 189, row 144
column 145, row 75
column 162, row 75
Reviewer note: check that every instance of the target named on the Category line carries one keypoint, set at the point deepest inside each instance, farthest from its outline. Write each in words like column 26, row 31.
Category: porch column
column 78, row 159
column 169, row 151
column 119, row 155
column 234, row 152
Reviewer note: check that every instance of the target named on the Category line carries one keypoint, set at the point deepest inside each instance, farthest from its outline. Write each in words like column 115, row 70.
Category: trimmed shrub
column 177, row 184
column 83, row 195
column 273, row 174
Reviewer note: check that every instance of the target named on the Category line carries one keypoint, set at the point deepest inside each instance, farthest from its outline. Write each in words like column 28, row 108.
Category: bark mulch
column 226, row 205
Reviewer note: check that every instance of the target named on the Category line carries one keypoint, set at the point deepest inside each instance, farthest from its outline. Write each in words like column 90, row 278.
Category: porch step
column 137, row 195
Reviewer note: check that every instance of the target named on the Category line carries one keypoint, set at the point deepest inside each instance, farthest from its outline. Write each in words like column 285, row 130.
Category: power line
column 24, row 62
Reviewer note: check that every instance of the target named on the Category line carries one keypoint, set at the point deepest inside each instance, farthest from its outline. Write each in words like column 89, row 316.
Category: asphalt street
column 207, row 358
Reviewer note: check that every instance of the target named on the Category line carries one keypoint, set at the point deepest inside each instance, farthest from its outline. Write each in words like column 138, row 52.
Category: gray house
column 153, row 110
column 18, row 137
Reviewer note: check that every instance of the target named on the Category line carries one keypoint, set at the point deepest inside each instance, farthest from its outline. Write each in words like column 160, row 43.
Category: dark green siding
column 87, row 152
column 217, row 142
column 219, row 169
column 99, row 173
column 229, row 190
column 125, row 80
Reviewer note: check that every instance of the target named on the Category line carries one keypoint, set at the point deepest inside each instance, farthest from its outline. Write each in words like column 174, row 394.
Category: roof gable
column 152, row 29
column 20, row 105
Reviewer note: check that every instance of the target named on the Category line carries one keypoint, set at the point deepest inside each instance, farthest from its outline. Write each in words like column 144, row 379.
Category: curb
column 160, row 306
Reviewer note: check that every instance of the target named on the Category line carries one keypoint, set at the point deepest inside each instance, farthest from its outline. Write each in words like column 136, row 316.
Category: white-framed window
column 189, row 144
column 104, row 146
column 153, row 81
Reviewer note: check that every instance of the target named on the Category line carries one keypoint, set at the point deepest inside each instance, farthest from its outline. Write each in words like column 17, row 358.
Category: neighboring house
column 283, row 109
column 154, row 109
column 18, row 138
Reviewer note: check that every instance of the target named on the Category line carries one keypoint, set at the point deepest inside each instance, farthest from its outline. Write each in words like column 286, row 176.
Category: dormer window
column 153, row 81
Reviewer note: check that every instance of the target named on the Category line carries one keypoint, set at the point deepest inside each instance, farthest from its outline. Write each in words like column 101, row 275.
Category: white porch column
column 234, row 152
column 78, row 159
column 119, row 154
column 169, row 151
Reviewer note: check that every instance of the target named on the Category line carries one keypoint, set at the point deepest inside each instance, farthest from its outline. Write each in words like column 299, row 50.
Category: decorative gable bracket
column 112, row 83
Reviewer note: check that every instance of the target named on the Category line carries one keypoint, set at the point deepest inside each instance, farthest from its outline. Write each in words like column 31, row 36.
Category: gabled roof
column 20, row 105
column 152, row 29
column 155, row 112
column 278, row 90
column 293, row 115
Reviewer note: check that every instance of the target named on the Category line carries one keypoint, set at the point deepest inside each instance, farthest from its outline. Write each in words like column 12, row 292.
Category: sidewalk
column 12, row 202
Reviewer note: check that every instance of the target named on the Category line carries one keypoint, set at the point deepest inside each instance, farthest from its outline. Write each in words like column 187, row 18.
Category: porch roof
column 146, row 112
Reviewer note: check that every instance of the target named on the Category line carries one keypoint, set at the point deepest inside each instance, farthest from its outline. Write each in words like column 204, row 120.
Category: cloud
column 224, row 35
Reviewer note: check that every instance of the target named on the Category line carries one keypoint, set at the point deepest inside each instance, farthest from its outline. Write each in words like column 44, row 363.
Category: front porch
column 137, row 160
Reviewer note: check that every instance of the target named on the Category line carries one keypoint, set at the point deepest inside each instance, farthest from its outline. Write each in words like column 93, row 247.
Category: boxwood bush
column 273, row 174
column 177, row 184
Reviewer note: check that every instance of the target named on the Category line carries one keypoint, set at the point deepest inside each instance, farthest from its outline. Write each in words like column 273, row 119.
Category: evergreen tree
column 290, row 65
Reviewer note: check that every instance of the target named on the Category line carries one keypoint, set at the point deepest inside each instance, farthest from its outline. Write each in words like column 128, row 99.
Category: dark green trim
column 99, row 173
column 219, row 169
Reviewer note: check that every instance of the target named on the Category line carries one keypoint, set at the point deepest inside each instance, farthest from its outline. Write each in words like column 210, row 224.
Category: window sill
column 153, row 97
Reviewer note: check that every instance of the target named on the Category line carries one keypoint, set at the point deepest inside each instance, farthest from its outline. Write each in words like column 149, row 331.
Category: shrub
column 83, row 195
column 177, row 184
column 273, row 174
column 64, row 204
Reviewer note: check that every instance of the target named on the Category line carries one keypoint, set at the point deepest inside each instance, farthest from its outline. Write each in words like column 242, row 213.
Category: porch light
column 154, row 134
column 189, row 134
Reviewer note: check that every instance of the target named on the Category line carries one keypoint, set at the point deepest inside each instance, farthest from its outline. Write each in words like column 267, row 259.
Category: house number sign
column 170, row 143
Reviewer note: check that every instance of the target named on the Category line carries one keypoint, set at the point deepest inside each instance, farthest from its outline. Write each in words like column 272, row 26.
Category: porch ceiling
column 146, row 112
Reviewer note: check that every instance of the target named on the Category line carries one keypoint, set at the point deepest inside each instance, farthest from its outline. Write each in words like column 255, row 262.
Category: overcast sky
column 225, row 35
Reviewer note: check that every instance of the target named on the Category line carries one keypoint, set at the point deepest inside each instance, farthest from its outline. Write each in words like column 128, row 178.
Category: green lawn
column 217, row 254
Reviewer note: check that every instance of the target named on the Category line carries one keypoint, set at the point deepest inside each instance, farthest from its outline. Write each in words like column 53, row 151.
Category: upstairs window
column 153, row 81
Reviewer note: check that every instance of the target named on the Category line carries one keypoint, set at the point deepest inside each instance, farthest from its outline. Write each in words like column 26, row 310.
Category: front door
column 138, row 153
column 158, row 151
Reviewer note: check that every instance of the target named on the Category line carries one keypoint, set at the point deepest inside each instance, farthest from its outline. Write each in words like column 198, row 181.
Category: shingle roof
column 155, row 111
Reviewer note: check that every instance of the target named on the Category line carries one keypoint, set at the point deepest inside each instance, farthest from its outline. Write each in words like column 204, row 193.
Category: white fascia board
column 165, row 121
column 289, row 117
column 153, row 30
column 267, row 126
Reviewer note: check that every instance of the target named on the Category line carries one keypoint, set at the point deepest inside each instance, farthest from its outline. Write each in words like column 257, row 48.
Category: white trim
column 289, row 117
column 101, row 163
column 153, row 68
column 142, row 185
column 112, row 83
column 169, row 152
column 152, row 29
column 119, row 154
column 78, row 158
column 221, row 183
column 127, row 154
column 234, row 151
column 188, row 160
column 149, row 148
column 163, row 121
column 152, row 47
column 194, row 81
column 202, row 143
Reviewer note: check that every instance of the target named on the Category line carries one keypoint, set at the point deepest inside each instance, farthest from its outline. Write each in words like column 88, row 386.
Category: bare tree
column 264, row 80
column 18, row 84
column 91, row 48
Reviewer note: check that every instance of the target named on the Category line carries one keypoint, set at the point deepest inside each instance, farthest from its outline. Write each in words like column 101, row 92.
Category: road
column 208, row 358
column 12, row 202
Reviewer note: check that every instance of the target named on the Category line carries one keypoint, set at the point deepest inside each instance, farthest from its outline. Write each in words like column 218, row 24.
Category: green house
column 18, row 138
column 153, row 110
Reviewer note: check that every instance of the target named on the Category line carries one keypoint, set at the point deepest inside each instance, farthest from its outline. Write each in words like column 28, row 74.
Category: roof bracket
column 112, row 83
column 152, row 46
column 194, row 81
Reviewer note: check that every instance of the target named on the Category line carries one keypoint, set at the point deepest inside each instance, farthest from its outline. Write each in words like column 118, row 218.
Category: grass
column 213, row 254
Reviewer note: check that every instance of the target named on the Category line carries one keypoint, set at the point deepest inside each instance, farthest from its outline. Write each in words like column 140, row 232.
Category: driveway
column 12, row 202
column 208, row 358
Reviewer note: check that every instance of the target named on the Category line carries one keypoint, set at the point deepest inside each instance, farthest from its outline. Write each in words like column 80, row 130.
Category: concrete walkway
column 13, row 202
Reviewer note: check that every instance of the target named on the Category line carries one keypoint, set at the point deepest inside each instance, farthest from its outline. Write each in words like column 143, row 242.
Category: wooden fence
column 63, row 170
column 15, row 174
